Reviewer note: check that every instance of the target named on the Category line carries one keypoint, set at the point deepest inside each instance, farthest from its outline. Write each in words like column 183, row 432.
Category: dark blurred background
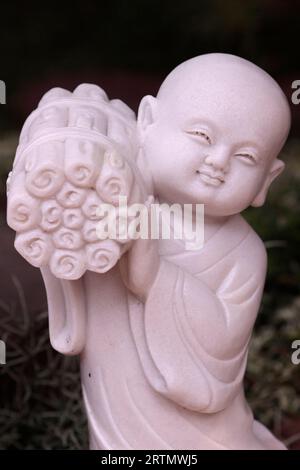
column 128, row 47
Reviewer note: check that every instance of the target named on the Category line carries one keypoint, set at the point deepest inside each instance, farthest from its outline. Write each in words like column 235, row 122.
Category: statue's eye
column 200, row 134
column 246, row 158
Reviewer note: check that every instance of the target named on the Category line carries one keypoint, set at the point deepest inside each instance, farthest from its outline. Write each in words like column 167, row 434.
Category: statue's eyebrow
column 201, row 122
column 250, row 147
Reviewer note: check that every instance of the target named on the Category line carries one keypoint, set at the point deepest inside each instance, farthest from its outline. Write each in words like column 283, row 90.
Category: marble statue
column 162, row 331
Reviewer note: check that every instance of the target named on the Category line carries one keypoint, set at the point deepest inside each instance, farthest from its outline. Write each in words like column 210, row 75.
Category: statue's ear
column 275, row 170
column 146, row 113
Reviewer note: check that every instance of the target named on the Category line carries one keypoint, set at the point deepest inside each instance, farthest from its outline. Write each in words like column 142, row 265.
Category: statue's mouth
column 212, row 179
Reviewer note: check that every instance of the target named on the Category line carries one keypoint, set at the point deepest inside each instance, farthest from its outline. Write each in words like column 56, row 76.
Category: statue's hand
column 76, row 152
column 140, row 265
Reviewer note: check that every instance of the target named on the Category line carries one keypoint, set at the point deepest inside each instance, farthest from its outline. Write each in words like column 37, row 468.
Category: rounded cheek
column 172, row 162
column 239, row 193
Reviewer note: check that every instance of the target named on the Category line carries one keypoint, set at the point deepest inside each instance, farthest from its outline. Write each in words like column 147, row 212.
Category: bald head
column 229, row 83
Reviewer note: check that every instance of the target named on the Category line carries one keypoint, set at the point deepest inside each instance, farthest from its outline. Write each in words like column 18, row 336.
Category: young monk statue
column 163, row 334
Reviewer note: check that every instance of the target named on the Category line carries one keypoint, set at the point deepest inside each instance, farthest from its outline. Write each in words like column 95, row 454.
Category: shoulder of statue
column 252, row 249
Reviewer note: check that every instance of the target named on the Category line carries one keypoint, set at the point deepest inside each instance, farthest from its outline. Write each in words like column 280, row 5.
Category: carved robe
column 169, row 374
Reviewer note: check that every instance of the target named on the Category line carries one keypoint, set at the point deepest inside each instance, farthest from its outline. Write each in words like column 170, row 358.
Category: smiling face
column 213, row 133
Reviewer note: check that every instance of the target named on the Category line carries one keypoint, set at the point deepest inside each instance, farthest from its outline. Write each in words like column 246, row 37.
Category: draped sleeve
column 66, row 313
column 193, row 340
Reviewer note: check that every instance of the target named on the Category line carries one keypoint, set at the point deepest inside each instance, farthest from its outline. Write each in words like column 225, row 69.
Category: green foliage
column 40, row 397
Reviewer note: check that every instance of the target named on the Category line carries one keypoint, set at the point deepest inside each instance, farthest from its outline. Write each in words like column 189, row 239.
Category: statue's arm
column 76, row 155
column 197, row 338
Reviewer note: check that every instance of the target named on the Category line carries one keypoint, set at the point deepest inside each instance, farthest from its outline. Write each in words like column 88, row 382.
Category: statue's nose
column 218, row 158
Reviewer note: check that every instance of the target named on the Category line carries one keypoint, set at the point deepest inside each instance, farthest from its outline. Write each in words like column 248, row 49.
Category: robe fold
column 169, row 374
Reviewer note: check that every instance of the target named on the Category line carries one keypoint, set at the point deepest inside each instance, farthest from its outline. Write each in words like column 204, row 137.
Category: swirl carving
column 70, row 163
